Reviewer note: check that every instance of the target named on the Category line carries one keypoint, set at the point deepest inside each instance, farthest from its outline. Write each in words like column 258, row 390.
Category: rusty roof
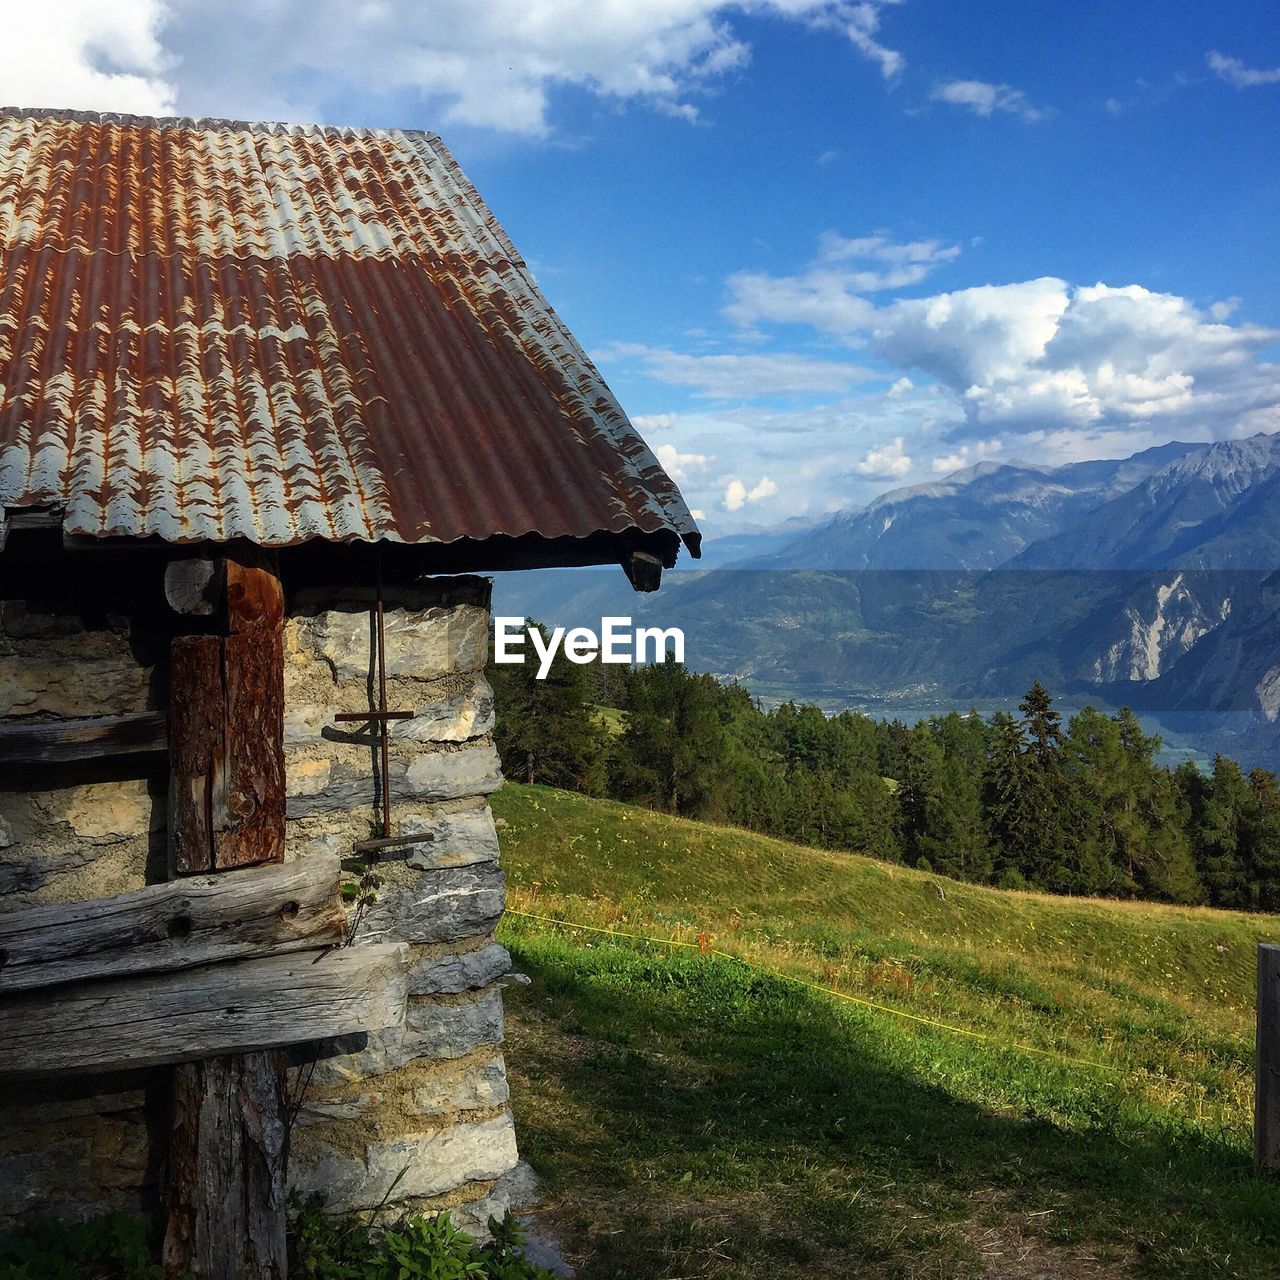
column 214, row 330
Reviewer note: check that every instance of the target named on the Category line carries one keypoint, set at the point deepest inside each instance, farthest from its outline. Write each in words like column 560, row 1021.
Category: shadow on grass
column 734, row 1125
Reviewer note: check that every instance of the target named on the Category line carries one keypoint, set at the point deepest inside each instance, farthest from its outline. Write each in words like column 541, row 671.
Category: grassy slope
column 735, row 1125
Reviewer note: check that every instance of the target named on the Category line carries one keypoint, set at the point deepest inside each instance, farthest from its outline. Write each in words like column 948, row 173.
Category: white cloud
column 680, row 466
column 651, row 423
column 861, row 25
column 741, row 376
column 986, row 99
column 493, row 65
column 1039, row 354
column 830, row 289
column 900, row 388
column 978, row 451
column 87, row 54
column 886, row 462
column 737, row 495
column 697, row 513
column 1235, row 72
column 973, row 336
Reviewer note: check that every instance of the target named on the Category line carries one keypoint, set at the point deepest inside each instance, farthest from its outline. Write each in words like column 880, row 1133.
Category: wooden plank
column 179, row 925
column 1266, row 1112
column 57, row 741
column 196, row 712
column 248, row 810
column 198, row 1013
column 225, row 1193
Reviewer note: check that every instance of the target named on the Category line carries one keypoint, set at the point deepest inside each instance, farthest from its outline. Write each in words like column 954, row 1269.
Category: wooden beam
column 217, row 1009
column 248, row 809
column 57, row 741
column 1266, row 1112
column 35, row 517
column 225, row 1197
column 195, row 585
column 644, row 570
column 196, row 751
column 179, row 925
column 226, row 1173
column 249, row 815
column 255, row 597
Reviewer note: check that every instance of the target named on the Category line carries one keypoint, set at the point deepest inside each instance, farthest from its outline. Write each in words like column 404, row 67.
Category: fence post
column 1266, row 1112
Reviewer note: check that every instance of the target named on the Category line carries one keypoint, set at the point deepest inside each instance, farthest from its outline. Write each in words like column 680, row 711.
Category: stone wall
column 418, row 1117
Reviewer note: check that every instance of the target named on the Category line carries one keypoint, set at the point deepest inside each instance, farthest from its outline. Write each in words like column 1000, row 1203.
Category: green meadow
column 857, row 1069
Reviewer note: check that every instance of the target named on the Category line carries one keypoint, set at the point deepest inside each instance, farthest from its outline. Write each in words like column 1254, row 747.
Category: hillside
column 1086, row 1115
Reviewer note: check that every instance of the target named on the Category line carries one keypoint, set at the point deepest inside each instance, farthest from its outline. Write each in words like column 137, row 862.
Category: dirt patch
column 1009, row 1252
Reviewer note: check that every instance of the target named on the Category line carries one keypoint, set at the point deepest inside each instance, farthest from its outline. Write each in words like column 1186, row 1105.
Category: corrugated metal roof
column 212, row 330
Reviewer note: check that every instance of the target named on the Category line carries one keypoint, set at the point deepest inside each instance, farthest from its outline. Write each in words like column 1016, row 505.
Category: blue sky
column 818, row 248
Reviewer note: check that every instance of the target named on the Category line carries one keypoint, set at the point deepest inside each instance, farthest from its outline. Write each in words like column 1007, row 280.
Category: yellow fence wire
column 704, row 949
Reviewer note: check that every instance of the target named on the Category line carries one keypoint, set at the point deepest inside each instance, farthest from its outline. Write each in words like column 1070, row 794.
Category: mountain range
column 1151, row 581
column 1178, row 505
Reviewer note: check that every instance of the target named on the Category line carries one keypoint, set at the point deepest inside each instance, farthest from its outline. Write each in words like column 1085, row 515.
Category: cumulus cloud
column 973, row 336
column 737, row 495
column 1041, row 354
column 680, row 466
column 741, row 376
column 885, row 462
column 494, row 65
column 88, row 54
column 986, row 99
column 1235, row 72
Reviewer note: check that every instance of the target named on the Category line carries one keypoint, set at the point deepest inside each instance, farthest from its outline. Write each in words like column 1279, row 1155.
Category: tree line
column 1012, row 800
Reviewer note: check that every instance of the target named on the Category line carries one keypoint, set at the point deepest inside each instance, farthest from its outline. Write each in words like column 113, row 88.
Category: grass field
column 695, row 1116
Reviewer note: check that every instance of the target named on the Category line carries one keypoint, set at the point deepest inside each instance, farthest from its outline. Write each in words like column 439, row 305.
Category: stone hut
column 270, row 399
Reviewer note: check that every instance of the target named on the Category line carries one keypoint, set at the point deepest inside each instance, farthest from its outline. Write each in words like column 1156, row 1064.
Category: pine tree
column 1261, row 840
column 1219, row 851
column 1004, row 785
column 1047, row 852
column 546, row 730
column 667, row 754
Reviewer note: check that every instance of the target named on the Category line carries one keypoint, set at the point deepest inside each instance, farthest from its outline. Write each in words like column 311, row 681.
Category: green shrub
column 322, row 1247
column 111, row 1247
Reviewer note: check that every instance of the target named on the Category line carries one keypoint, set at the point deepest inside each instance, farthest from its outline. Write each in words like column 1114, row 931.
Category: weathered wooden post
column 225, row 1184
column 1266, row 1112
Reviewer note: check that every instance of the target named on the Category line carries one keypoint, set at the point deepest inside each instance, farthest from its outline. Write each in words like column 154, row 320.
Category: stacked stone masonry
column 418, row 1117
